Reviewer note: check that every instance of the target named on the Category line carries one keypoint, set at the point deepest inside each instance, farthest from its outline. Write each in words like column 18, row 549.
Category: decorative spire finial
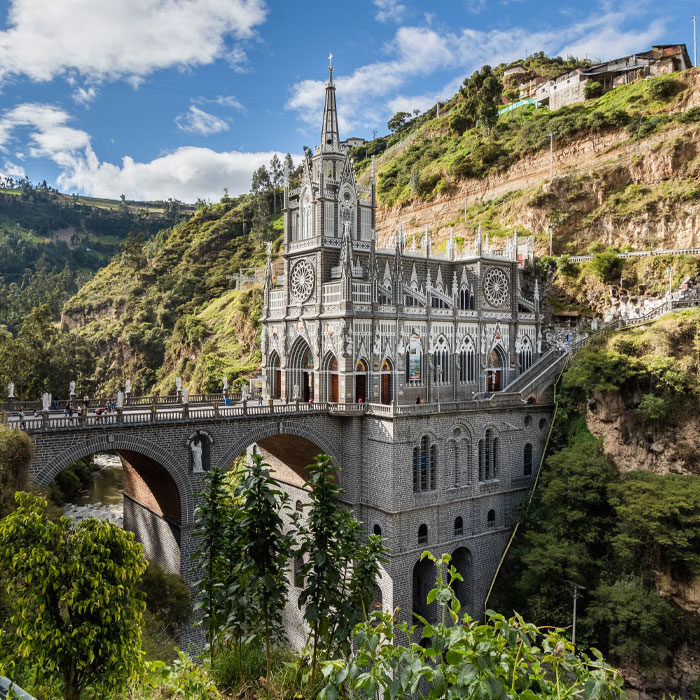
column 330, row 67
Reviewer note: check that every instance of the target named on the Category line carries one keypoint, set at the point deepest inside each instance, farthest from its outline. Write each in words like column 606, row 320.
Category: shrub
column 606, row 265
column 691, row 115
column 460, row 122
column 662, row 88
column 592, row 89
column 566, row 267
column 167, row 597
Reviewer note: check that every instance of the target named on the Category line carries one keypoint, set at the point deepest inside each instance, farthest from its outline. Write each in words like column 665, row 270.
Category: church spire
column 329, row 131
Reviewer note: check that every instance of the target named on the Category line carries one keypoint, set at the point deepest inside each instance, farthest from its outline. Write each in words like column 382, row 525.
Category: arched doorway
column 301, row 385
column 330, row 367
column 275, row 374
column 423, row 581
column 361, row 382
column 387, row 379
column 462, row 561
column 494, row 370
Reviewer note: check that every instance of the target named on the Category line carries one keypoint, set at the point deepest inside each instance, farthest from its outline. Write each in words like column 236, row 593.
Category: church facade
column 427, row 339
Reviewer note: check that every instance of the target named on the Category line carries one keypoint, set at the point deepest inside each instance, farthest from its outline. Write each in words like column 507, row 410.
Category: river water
column 104, row 499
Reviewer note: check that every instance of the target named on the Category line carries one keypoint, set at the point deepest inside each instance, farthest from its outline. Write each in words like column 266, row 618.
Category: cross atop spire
column 330, row 67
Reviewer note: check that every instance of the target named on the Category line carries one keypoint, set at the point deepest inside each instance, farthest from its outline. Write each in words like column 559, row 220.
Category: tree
column 266, row 548
column 75, row 610
column 482, row 94
column 398, row 121
column 16, row 449
column 288, row 163
column 276, row 179
column 133, row 253
column 460, row 658
column 210, row 526
column 330, row 546
column 259, row 188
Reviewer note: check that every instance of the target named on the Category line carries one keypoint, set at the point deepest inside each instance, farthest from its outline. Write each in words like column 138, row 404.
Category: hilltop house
column 568, row 88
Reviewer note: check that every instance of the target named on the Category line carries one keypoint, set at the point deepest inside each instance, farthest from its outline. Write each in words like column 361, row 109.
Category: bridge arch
column 262, row 434
column 129, row 444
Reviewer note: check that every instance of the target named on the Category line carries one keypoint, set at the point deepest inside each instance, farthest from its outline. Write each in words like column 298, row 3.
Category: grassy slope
column 176, row 314
column 430, row 162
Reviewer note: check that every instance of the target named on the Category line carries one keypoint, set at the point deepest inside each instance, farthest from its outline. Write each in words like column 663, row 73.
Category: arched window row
column 467, row 363
column 489, row 447
column 424, row 465
column 527, row 460
column 525, row 354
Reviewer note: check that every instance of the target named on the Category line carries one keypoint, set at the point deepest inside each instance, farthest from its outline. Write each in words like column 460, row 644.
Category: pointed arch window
column 441, row 362
column 467, row 362
column 525, row 354
column 527, row 460
column 488, row 456
column 424, row 465
column 459, row 526
column 466, row 298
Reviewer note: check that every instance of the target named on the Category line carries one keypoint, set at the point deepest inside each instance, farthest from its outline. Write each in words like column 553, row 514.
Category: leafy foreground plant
column 460, row 658
column 75, row 611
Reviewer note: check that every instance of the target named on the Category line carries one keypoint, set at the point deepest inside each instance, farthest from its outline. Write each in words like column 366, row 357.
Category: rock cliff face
column 633, row 443
column 607, row 187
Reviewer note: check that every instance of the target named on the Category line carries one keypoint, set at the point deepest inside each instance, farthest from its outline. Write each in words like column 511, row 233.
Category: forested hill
column 167, row 307
column 52, row 243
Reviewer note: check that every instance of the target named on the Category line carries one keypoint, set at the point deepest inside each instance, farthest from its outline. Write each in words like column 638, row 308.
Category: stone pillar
column 44, row 419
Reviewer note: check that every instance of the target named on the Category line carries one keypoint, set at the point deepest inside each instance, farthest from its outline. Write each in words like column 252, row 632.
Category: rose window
column 496, row 287
column 302, row 278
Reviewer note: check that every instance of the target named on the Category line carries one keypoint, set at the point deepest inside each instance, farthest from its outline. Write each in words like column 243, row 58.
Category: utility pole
column 438, row 108
column 551, row 228
column 551, row 135
column 693, row 19
column 465, row 211
column 577, row 595
column 670, row 282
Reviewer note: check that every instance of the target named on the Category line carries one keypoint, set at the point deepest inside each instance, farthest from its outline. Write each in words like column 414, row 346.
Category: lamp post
column 551, row 135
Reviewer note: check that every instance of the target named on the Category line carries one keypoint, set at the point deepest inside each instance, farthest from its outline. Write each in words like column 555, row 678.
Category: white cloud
column 389, row 10
column 186, row 174
column 10, row 169
column 197, row 121
column 85, row 95
column 372, row 93
column 124, row 39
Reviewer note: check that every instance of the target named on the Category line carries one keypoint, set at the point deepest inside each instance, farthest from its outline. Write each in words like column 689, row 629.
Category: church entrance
column 275, row 377
column 386, row 382
column 331, row 378
column 301, row 373
column 494, row 372
column 361, row 382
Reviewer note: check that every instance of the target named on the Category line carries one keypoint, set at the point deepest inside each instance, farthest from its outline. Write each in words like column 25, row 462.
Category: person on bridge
column 20, row 415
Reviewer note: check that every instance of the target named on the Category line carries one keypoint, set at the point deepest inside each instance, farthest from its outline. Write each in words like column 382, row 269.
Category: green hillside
column 166, row 308
column 51, row 243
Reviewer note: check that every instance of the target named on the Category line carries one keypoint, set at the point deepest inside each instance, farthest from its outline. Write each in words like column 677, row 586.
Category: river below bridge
column 103, row 500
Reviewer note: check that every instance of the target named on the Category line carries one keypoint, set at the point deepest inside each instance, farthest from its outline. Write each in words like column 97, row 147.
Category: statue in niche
column 196, row 450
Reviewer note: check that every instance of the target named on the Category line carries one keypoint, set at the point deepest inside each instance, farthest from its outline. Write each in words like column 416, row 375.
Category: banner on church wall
column 414, row 358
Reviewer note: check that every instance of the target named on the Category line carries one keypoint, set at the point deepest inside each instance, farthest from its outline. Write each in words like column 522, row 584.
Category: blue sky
column 181, row 98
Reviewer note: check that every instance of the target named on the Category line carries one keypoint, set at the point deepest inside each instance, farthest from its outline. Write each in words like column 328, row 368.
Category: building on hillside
column 529, row 87
column 413, row 349
column 569, row 88
column 517, row 69
column 353, row 141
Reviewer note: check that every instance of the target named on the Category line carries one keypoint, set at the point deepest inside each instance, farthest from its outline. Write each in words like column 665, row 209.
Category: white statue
column 178, row 383
column 185, row 395
column 127, row 386
column 120, row 399
column 244, row 393
column 196, row 449
column 11, row 390
column 46, row 401
column 71, row 389
column 225, row 383
column 296, row 392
